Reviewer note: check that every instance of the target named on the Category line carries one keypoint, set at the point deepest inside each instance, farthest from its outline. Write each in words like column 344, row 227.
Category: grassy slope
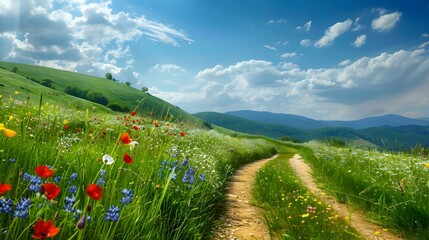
column 114, row 91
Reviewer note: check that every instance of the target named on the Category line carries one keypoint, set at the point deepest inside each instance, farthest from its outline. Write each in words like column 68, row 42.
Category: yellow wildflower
column 305, row 215
column 16, row 92
column 9, row 133
column 426, row 165
column 10, row 118
column 1, row 126
column 65, row 122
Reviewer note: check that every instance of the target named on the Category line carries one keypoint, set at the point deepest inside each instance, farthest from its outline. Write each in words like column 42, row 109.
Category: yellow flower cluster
column 7, row 132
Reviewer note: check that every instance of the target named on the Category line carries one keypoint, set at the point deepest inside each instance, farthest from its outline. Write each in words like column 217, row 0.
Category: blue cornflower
column 34, row 180
column 21, row 209
column 101, row 182
column 73, row 176
column 127, row 196
column 202, row 177
column 102, row 172
column 72, row 189
column 112, row 214
column 185, row 162
column 69, row 203
column 12, row 160
column 189, row 176
column 6, row 205
column 77, row 214
column 57, row 179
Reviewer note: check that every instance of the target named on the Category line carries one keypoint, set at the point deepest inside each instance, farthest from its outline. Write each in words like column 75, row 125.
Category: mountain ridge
column 301, row 122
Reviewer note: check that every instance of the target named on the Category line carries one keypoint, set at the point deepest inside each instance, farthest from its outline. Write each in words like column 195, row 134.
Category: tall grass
column 392, row 188
column 291, row 211
column 172, row 189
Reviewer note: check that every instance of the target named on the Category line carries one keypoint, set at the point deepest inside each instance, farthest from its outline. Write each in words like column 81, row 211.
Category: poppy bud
column 88, row 208
column 82, row 221
column 41, row 189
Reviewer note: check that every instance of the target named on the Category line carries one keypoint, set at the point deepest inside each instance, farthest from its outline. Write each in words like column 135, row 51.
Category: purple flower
column 112, row 214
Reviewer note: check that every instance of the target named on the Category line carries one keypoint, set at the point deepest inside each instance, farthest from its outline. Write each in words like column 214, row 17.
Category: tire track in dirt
column 242, row 220
column 357, row 219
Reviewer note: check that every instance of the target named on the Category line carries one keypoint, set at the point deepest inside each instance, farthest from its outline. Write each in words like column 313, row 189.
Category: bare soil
column 356, row 218
column 242, row 220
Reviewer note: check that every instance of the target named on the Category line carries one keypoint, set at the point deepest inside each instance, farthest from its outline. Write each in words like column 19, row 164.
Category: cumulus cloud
column 389, row 82
column 167, row 68
column 305, row 42
column 333, row 32
column 278, row 21
column 78, row 35
column 360, row 40
column 288, row 55
column 386, row 22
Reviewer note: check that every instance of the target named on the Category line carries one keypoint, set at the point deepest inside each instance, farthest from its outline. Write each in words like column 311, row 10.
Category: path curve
column 242, row 220
column 357, row 220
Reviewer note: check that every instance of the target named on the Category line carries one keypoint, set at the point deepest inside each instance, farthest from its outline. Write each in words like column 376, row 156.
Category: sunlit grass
column 392, row 188
column 291, row 211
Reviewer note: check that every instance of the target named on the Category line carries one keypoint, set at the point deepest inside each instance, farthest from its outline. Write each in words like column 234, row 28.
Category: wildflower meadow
column 86, row 174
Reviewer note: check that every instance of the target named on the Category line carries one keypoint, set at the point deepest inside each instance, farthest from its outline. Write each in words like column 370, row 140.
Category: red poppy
column 51, row 190
column 94, row 191
column 125, row 137
column 44, row 229
column 128, row 159
column 44, row 171
column 182, row 134
column 66, row 127
column 4, row 188
column 133, row 113
column 136, row 127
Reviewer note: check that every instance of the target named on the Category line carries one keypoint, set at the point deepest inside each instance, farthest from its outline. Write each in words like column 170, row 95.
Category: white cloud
column 425, row 35
column 269, row 47
column 389, row 82
column 167, row 68
column 423, row 45
column 278, row 21
column 307, row 26
column 360, row 40
column 305, row 42
column 386, row 22
column 333, row 32
column 345, row 62
column 288, row 55
column 78, row 35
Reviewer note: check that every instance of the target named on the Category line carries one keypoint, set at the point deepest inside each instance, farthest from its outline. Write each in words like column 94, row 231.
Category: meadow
column 77, row 174
column 391, row 188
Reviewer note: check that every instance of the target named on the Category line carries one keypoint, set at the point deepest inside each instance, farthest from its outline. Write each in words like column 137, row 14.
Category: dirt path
column 357, row 219
column 242, row 219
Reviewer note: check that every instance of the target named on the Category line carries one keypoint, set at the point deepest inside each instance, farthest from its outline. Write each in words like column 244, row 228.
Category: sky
column 330, row 60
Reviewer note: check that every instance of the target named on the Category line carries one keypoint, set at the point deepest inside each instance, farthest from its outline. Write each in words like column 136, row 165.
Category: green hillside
column 27, row 76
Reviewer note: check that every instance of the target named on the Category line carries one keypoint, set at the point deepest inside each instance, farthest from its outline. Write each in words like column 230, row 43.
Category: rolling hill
column 27, row 80
column 301, row 122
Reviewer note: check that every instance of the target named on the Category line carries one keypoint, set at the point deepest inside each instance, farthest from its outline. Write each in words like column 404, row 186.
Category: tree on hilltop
column 109, row 76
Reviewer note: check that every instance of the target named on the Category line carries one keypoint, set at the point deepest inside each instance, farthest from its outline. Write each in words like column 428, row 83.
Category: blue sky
column 321, row 59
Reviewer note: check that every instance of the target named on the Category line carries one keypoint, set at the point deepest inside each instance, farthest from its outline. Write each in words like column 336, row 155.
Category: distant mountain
column 392, row 120
column 289, row 120
column 301, row 122
column 248, row 126
column 386, row 137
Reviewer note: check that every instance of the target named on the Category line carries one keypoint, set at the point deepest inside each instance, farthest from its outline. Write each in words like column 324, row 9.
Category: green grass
column 291, row 211
column 165, row 204
column 114, row 91
column 392, row 188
